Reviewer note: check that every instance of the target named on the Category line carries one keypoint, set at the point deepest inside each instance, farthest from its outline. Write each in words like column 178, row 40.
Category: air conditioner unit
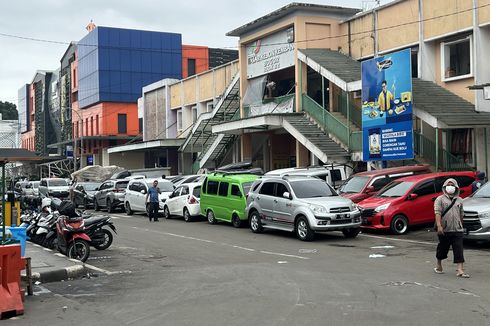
column 486, row 92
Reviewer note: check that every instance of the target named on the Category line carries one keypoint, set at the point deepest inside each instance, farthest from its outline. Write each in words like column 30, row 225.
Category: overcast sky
column 199, row 22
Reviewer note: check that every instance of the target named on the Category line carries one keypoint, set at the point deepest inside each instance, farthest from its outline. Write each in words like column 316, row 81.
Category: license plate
column 342, row 216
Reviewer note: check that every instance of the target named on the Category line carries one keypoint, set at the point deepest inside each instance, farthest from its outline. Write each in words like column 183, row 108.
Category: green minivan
column 223, row 197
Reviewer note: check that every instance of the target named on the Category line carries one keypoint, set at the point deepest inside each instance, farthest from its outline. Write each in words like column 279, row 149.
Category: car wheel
column 255, row 223
column 351, row 233
column 399, row 224
column 110, row 209
column 128, row 209
column 303, row 230
column 211, row 218
column 235, row 220
column 187, row 215
column 96, row 205
column 79, row 250
column 166, row 213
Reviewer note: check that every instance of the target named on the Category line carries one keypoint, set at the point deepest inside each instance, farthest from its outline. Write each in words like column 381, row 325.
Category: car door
column 107, row 188
column 283, row 207
column 265, row 200
column 181, row 200
column 130, row 195
column 139, row 197
column 172, row 202
column 224, row 207
column 421, row 209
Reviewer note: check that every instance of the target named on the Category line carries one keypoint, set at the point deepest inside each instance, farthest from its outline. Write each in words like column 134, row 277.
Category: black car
column 83, row 194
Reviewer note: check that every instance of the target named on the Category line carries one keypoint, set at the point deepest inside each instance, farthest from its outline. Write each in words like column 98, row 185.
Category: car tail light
column 193, row 200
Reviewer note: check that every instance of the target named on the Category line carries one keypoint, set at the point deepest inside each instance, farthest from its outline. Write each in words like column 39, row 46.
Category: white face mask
column 450, row 189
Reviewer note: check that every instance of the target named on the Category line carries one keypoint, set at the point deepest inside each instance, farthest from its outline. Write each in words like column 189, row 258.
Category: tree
column 8, row 111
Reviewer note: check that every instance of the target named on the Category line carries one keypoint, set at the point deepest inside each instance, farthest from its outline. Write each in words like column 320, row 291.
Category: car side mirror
column 96, row 189
column 143, row 192
column 287, row 195
column 412, row 196
column 370, row 189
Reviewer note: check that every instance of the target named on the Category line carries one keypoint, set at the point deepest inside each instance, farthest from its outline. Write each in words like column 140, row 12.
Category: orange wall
column 200, row 53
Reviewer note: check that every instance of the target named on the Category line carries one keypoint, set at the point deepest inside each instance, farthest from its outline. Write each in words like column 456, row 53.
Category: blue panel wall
column 124, row 61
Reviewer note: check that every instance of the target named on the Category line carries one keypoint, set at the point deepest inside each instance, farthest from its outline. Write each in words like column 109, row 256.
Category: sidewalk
column 51, row 266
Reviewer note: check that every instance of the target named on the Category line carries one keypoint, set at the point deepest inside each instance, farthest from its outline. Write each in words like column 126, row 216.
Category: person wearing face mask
column 448, row 209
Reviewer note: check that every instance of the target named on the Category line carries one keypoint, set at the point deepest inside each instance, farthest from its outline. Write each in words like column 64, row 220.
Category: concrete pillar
column 246, row 147
column 302, row 155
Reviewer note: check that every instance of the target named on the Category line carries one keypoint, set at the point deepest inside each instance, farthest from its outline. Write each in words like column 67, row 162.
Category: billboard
column 271, row 53
column 387, row 107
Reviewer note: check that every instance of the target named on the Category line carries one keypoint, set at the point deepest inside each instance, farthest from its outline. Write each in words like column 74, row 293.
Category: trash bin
column 19, row 234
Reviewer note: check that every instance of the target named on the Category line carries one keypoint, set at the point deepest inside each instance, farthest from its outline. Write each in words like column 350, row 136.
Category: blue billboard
column 387, row 107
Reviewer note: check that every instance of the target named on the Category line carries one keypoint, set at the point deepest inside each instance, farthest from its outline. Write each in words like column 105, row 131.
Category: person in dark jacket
column 480, row 181
column 448, row 209
column 152, row 199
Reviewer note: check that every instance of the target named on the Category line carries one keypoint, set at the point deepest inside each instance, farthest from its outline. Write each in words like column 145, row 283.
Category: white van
column 334, row 175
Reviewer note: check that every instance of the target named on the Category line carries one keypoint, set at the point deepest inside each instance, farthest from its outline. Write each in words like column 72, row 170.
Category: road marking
column 282, row 262
column 283, row 255
column 104, row 271
column 382, row 247
column 59, row 255
column 238, row 247
column 401, row 240
column 376, row 256
column 47, row 249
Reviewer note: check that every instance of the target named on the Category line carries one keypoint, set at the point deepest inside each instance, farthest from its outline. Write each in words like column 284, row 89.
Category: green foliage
column 8, row 111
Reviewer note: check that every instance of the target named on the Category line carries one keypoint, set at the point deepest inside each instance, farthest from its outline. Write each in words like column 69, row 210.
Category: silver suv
column 299, row 204
column 477, row 214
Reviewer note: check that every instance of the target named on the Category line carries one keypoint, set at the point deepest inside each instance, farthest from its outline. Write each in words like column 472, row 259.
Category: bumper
column 336, row 224
column 481, row 234
column 376, row 222
column 194, row 210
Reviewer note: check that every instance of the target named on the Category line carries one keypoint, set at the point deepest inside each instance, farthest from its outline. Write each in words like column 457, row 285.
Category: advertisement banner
column 387, row 107
column 69, row 151
column 271, row 53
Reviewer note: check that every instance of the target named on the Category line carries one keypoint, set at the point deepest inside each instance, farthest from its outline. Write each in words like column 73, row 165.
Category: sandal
column 463, row 275
column 438, row 271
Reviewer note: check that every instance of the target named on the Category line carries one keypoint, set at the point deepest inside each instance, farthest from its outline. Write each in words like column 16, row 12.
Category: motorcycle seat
column 95, row 219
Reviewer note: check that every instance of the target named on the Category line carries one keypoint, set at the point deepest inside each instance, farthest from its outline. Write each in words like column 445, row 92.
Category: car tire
column 211, row 217
column 127, row 208
column 110, row 209
column 187, row 215
column 303, row 230
column 236, row 222
column 351, row 233
column 399, row 224
column 96, row 205
column 255, row 222
column 166, row 213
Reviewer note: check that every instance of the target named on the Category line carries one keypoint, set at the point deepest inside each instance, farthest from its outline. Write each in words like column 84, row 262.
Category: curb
column 58, row 275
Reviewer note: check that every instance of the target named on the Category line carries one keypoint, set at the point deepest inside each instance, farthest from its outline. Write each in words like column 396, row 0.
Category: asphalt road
column 177, row 273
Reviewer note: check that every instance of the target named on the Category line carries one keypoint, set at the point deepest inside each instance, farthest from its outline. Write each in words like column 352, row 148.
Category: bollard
column 11, row 264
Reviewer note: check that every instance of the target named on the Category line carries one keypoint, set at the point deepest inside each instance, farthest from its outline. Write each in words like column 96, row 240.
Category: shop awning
column 84, row 138
column 153, row 144
column 18, row 155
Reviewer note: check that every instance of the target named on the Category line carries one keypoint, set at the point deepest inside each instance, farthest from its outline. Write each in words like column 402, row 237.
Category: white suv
column 135, row 198
column 184, row 201
column 303, row 205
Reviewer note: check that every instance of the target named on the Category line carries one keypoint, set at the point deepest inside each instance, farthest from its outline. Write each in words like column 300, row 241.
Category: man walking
column 479, row 182
column 153, row 202
column 449, row 213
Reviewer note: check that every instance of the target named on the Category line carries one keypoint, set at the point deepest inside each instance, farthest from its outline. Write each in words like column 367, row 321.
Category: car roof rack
column 256, row 171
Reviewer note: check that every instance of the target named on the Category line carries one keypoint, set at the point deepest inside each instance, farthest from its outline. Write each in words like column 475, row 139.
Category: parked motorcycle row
column 60, row 226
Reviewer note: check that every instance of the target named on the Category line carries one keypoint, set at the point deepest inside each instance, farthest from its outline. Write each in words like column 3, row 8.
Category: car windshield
column 312, row 189
column 57, row 183
column 90, row 186
column 246, row 187
column 354, row 185
column 483, row 192
column 395, row 189
column 122, row 184
column 165, row 186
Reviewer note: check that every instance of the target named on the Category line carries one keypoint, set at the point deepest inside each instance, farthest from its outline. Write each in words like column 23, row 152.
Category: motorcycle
column 101, row 237
column 72, row 240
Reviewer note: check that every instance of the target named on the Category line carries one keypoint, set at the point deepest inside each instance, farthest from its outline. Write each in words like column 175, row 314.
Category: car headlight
column 317, row 209
column 484, row 215
column 354, row 207
column 382, row 207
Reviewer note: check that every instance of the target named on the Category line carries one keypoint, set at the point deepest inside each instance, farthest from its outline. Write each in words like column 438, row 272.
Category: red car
column 366, row 184
column 409, row 201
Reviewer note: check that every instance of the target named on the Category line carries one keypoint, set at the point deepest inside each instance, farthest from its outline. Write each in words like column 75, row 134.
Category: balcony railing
column 353, row 140
column 272, row 105
column 354, row 113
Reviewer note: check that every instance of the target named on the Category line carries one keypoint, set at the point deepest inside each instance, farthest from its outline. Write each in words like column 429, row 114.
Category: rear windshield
column 246, row 187
column 395, row 189
column 312, row 189
column 354, row 185
column 122, row 184
column 57, row 183
column 197, row 192
column 90, row 186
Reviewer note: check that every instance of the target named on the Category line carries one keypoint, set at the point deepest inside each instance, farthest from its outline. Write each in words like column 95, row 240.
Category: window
column 464, row 181
column 197, row 192
column 380, row 183
column 140, row 125
column 176, row 192
column 191, row 67
column 204, row 183
column 223, row 188
column 97, row 124
column 312, row 189
column 122, row 184
column 209, row 107
column 179, row 120
column 194, row 114
column 267, row 189
column 456, row 59
column 185, row 191
column 122, row 123
column 213, row 187
column 133, row 187
column 425, row 188
column 281, row 189
column 235, row 191
column 91, row 126
column 395, row 189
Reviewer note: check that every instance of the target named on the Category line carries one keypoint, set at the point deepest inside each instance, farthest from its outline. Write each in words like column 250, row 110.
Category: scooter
column 101, row 237
column 71, row 237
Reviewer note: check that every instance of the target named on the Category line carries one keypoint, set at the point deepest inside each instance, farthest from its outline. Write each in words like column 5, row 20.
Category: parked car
column 110, row 195
column 190, row 179
column 135, row 198
column 84, row 192
column 54, row 187
column 34, row 185
column 223, row 197
column 477, row 214
column 366, row 184
column 299, row 204
column 409, row 201
column 184, row 201
column 333, row 175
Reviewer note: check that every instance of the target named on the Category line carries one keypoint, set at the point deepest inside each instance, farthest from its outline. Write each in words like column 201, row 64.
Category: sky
column 199, row 22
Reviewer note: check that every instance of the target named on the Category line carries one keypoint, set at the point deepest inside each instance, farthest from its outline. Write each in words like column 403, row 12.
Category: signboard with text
column 387, row 107
column 271, row 53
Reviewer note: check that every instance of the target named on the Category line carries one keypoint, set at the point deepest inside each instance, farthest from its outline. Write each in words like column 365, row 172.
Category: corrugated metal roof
column 341, row 65
column 17, row 155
